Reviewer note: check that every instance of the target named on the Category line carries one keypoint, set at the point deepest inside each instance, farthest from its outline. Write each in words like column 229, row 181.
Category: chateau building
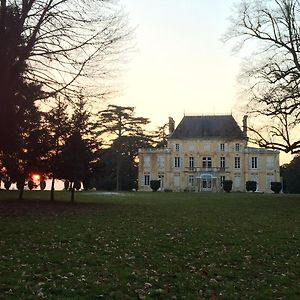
column 202, row 152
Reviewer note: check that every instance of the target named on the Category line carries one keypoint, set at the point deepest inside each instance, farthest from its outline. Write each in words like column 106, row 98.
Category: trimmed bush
column 227, row 186
column 7, row 184
column 20, row 184
column 77, row 185
column 155, row 185
column 30, row 185
column 42, row 185
column 276, row 187
column 67, row 185
column 251, row 186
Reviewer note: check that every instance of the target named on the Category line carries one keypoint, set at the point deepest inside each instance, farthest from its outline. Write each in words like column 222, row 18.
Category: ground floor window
column 270, row 178
column 176, row 181
column 237, row 182
column 191, row 180
column 222, row 178
column 161, row 178
column 146, row 179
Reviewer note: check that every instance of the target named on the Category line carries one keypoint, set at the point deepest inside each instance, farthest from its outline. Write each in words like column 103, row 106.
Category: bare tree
column 61, row 45
column 272, row 27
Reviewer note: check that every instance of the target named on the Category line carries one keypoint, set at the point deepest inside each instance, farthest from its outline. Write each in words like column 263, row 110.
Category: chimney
column 171, row 125
column 245, row 125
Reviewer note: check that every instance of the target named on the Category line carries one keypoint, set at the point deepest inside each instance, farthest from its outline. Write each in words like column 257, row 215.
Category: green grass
column 152, row 246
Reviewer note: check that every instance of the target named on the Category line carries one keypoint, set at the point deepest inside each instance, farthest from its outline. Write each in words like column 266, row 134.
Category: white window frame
column 191, row 180
column 177, row 147
column 237, row 147
column 206, row 162
column 254, row 162
column 146, row 180
column 237, row 162
column 191, row 162
column 177, row 162
column 222, row 162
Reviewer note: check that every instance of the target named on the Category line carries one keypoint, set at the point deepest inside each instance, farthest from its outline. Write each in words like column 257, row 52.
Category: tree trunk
column 21, row 192
column 52, row 189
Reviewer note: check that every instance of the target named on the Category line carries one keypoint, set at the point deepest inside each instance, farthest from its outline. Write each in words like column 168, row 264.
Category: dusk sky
column 180, row 64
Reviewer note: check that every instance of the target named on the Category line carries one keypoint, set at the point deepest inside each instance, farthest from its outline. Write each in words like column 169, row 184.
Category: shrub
column 77, row 185
column 276, row 187
column 30, row 185
column 251, row 186
column 7, row 184
column 227, row 185
column 20, row 184
column 42, row 185
column 155, row 185
column 67, row 185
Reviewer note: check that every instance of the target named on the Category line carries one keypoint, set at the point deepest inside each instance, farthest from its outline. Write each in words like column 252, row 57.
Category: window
column 270, row 178
column 222, row 162
column 206, row 147
column 270, row 162
column 254, row 162
column 222, row 147
column 206, row 162
column 161, row 162
column 146, row 161
column 161, row 178
column 237, row 147
column 177, row 162
column 222, row 178
column 237, row 162
column 147, row 180
column 191, row 180
column 177, row 147
column 191, row 162
column 237, row 182
column 176, row 181
column 191, row 147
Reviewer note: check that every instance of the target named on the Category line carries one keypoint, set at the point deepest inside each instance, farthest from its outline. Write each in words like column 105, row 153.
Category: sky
column 179, row 65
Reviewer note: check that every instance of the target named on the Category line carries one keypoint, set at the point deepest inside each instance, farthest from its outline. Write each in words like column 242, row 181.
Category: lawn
column 150, row 246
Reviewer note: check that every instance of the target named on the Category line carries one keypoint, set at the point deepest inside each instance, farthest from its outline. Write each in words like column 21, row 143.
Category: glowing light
column 36, row 177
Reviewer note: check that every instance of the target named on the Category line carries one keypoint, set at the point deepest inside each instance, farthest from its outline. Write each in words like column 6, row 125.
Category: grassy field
column 150, row 246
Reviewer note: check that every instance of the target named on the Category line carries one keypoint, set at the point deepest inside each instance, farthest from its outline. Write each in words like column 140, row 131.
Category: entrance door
column 206, row 182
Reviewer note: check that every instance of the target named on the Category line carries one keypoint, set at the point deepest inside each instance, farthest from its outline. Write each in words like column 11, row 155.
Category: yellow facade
column 201, row 164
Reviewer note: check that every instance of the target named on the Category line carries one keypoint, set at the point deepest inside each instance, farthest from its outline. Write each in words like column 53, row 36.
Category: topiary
column 227, row 185
column 276, row 187
column 77, row 185
column 251, row 186
column 7, row 184
column 67, row 185
column 42, row 185
column 30, row 184
column 154, row 185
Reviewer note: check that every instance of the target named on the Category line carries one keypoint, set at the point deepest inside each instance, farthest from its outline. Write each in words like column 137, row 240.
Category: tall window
column 222, row 147
column 191, row 180
column 161, row 162
column 237, row 162
column 146, row 179
column 191, row 162
column 270, row 162
column 254, row 162
column 146, row 161
column 237, row 147
column 206, row 162
column 177, row 162
column 222, row 178
column 161, row 178
column 222, row 162
column 177, row 147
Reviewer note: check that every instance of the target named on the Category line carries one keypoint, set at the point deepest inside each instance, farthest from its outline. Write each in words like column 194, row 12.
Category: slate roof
column 222, row 126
